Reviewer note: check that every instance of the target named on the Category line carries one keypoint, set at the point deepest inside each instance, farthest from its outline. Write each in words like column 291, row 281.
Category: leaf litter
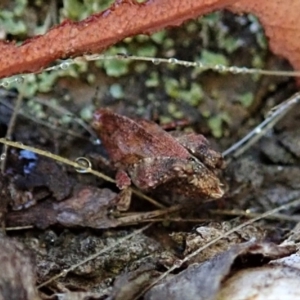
column 79, row 254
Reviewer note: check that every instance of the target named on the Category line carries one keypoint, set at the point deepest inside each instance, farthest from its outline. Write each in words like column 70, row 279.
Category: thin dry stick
column 198, row 64
column 233, row 230
column 240, row 213
column 65, row 64
column 94, row 256
column 175, row 220
column 276, row 114
column 11, row 126
column 63, row 111
column 19, row 228
column 137, row 218
column 44, row 123
column 79, row 167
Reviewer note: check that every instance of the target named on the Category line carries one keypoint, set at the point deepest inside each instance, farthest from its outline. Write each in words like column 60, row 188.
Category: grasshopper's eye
column 192, row 159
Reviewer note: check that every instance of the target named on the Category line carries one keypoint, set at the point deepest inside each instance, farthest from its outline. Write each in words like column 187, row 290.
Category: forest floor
column 63, row 216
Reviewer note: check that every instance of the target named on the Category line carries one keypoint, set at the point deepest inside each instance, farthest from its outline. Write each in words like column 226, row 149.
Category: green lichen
column 36, row 109
column 171, row 87
column 181, row 90
column 194, row 95
column 45, row 81
column 212, row 58
column 206, row 39
column 148, row 50
column 174, row 111
column 116, row 90
column 153, row 80
column 246, row 99
column 115, row 68
column 212, row 26
column 86, row 113
column 79, row 10
column 258, row 31
column 10, row 21
column 216, row 122
column 159, row 37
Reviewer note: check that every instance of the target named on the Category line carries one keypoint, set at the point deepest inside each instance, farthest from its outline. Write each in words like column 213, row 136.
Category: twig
column 64, row 111
column 137, row 218
column 44, row 123
column 176, row 220
column 11, row 126
column 79, row 167
column 19, row 228
column 276, row 114
column 241, row 213
column 192, row 64
column 65, row 64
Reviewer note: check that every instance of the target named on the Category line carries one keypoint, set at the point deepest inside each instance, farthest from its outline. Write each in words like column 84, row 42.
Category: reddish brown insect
column 152, row 158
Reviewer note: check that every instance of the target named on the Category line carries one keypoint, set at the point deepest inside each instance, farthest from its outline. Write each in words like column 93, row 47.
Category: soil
column 71, row 214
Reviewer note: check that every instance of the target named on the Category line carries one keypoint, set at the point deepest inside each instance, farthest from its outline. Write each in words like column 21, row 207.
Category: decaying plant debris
column 204, row 281
column 132, row 266
column 67, row 232
column 17, row 279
